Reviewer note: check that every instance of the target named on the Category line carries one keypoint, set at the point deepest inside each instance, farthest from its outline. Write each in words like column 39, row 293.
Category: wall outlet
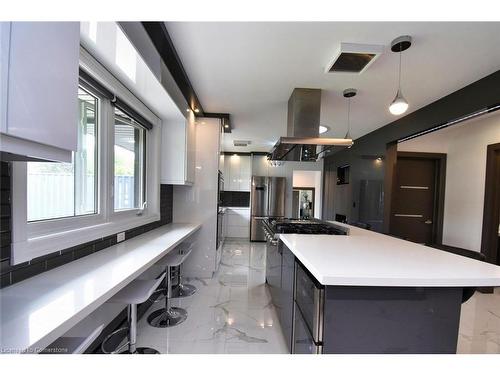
column 120, row 237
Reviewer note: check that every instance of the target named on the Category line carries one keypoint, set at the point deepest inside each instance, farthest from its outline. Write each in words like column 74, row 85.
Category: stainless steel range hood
column 303, row 142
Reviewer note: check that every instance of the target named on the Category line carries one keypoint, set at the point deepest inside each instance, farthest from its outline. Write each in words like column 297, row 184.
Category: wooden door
column 413, row 199
column 490, row 244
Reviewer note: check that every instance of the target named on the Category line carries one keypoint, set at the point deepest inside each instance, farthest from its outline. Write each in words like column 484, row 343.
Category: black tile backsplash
column 235, row 198
column 58, row 260
column 13, row 274
column 5, row 211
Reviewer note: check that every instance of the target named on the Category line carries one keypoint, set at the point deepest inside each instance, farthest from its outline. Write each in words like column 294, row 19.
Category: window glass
column 57, row 190
column 129, row 150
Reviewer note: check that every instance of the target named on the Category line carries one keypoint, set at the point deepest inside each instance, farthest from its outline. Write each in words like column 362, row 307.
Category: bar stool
column 72, row 344
column 137, row 292
column 183, row 290
column 170, row 316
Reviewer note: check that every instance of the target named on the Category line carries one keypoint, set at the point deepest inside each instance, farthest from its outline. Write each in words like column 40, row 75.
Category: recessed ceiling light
column 226, row 126
column 323, row 129
column 188, row 109
column 196, row 110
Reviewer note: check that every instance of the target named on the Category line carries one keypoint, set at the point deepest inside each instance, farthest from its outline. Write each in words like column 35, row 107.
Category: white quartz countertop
column 36, row 311
column 366, row 258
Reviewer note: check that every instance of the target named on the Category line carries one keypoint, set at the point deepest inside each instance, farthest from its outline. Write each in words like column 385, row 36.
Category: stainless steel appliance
column 267, row 201
column 220, row 188
column 308, row 313
column 303, row 142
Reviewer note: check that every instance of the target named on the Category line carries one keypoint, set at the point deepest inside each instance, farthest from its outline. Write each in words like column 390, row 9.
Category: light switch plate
column 120, row 237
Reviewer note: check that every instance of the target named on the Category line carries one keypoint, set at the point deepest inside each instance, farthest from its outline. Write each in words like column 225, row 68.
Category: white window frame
column 35, row 239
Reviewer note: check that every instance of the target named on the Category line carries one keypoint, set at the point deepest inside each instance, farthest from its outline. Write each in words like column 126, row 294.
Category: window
column 129, row 161
column 104, row 190
column 58, row 190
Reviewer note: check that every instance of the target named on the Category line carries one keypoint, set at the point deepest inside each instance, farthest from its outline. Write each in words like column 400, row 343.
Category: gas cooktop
column 287, row 225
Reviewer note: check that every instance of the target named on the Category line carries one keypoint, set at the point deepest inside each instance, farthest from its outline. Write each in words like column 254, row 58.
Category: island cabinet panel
column 287, row 294
column 273, row 272
column 378, row 320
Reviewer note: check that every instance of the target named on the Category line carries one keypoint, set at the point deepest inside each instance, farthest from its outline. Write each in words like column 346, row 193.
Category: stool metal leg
column 131, row 330
column 168, row 316
column 132, row 333
column 182, row 290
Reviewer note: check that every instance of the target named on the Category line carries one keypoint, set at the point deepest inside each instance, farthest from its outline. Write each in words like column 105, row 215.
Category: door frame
column 440, row 188
column 489, row 239
column 313, row 195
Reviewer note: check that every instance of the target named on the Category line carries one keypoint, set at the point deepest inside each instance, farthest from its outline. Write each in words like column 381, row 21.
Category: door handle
column 428, row 221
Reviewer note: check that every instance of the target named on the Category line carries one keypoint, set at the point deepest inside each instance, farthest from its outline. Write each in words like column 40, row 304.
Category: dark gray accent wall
column 356, row 200
column 13, row 274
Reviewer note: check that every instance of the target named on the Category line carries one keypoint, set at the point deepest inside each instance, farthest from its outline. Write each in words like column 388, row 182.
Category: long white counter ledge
column 38, row 310
column 366, row 258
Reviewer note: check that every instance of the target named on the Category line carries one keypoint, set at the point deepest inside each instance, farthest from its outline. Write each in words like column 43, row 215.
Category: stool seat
column 175, row 257
column 72, row 345
column 137, row 292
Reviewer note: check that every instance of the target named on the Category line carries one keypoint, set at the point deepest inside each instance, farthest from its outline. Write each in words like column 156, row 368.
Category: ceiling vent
column 241, row 143
column 353, row 58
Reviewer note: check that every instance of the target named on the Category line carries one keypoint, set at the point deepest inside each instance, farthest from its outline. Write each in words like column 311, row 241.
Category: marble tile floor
column 230, row 313
column 480, row 324
column 233, row 313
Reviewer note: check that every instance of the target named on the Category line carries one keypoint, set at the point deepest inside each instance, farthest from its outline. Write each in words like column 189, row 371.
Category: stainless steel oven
column 308, row 316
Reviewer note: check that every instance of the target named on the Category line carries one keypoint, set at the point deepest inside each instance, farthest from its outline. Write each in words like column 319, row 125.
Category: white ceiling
column 250, row 69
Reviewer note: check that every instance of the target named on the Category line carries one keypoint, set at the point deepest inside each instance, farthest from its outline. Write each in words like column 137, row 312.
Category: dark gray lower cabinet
column 391, row 320
column 273, row 273
column 287, row 287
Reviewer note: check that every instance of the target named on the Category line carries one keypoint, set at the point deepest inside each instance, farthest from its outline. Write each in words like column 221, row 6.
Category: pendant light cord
column 399, row 77
column 349, row 116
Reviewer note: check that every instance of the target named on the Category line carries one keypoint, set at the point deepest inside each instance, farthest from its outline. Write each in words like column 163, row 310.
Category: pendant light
column 399, row 105
column 349, row 93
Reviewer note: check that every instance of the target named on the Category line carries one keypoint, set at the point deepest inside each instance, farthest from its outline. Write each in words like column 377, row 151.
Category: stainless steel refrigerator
column 268, row 201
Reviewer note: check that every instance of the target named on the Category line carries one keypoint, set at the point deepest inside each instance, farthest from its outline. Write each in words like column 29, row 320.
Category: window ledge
column 47, row 244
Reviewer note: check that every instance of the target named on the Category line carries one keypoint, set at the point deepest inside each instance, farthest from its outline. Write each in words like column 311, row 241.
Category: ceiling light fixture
column 399, row 105
column 323, row 129
column 349, row 93
column 196, row 110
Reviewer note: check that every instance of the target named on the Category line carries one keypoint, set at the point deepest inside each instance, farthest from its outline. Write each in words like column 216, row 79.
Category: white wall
column 310, row 179
column 198, row 203
column 261, row 167
column 465, row 146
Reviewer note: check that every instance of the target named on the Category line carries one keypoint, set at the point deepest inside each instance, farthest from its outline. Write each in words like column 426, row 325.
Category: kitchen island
column 371, row 293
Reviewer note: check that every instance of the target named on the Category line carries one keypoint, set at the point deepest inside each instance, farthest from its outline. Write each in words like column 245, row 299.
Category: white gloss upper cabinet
column 39, row 66
column 178, row 151
column 4, row 72
column 237, row 172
